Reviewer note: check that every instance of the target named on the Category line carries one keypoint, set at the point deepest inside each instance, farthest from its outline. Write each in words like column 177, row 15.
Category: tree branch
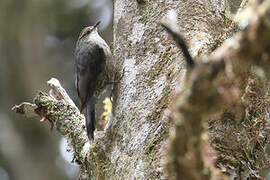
column 58, row 108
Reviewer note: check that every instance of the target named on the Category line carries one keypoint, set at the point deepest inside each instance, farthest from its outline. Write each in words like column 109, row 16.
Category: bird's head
column 89, row 30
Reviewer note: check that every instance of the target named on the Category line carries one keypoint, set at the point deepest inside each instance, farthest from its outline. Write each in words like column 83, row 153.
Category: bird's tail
column 90, row 117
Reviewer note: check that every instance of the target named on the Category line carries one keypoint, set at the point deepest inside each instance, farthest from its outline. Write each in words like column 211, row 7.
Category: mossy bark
column 154, row 68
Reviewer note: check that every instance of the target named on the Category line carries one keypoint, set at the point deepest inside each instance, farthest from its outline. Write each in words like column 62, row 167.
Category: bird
column 91, row 55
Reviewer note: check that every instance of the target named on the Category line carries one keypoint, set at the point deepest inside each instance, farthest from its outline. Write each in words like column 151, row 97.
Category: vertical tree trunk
column 141, row 46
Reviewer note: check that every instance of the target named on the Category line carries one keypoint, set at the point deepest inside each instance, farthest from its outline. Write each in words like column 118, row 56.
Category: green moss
column 241, row 144
column 151, row 146
column 152, row 155
column 150, row 11
column 160, row 105
column 100, row 161
column 159, row 67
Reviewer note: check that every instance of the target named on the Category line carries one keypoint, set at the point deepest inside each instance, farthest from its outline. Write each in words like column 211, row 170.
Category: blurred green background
column 37, row 41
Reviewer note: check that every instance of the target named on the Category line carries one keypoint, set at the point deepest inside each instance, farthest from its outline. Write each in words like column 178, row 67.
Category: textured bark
column 154, row 65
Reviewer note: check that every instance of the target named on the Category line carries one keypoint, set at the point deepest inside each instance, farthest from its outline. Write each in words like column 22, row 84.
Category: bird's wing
column 90, row 62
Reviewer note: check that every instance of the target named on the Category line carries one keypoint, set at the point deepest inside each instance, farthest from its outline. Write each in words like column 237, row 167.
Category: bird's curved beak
column 96, row 25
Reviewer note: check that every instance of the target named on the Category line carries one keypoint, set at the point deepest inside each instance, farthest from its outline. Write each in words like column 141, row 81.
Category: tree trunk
column 154, row 67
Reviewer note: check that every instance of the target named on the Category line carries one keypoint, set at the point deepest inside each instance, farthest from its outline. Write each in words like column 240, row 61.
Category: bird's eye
column 84, row 33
